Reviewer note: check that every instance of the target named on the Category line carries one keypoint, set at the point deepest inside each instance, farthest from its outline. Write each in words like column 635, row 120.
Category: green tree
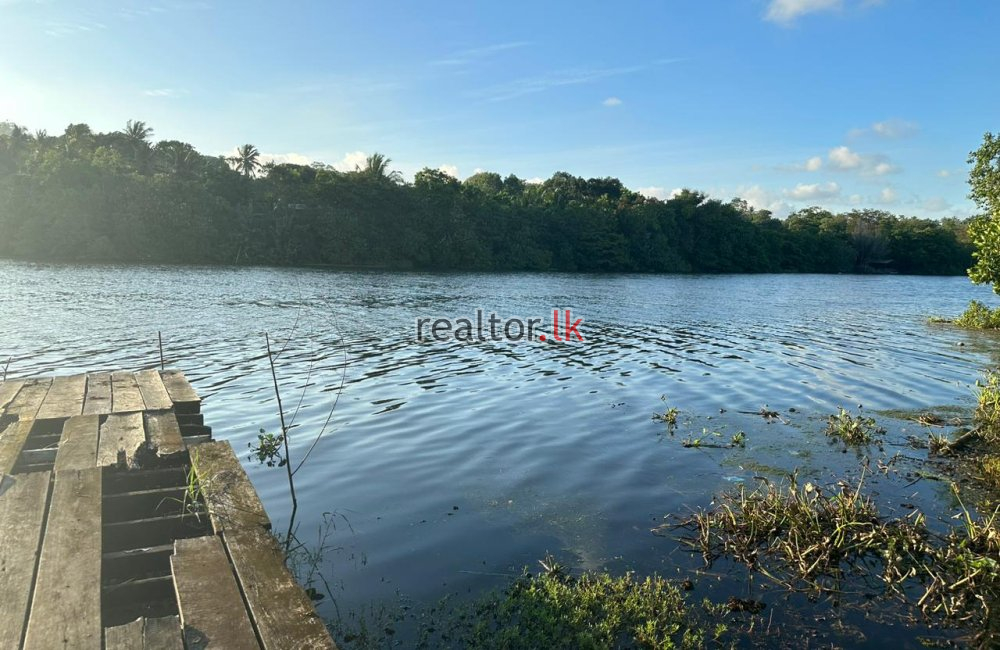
column 246, row 161
column 984, row 231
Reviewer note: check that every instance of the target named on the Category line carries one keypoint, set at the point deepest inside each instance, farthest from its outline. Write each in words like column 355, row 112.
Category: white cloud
column 164, row 92
column 661, row 193
column 814, row 164
column 808, row 191
column 351, row 161
column 760, row 198
column 854, row 199
column 883, row 168
column 282, row 158
column 887, row 196
column 844, row 158
column 943, row 173
column 451, row 170
column 894, row 129
column 612, row 101
column 936, row 204
column 785, row 12
column 534, row 180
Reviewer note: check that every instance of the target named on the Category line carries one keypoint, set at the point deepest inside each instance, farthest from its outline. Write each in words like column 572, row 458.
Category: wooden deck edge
column 232, row 501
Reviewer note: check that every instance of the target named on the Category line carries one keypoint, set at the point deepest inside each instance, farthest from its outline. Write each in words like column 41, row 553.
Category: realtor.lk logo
column 494, row 328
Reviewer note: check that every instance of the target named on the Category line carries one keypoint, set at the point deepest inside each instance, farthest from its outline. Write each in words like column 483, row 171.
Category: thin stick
column 159, row 337
column 284, row 439
column 5, row 366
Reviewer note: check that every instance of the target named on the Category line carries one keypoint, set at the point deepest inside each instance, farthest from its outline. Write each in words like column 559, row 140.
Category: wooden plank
column 163, row 633
column 231, row 499
column 124, row 637
column 25, row 405
column 211, row 608
column 164, row 433
column 154, row 393
column 98, row 398
column 64, row 399
column 78, row 445
column 125, row 395
column 11, row 440
column 122, row 439
column 8, row 391
column 66, row 607
column 281, row 610
column 22, row 511
column 178, row 387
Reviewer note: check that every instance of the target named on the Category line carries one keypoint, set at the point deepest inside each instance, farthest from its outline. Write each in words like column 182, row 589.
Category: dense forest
column 122, row 197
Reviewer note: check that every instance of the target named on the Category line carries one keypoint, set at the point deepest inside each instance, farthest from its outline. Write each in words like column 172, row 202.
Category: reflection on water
column 456, row 463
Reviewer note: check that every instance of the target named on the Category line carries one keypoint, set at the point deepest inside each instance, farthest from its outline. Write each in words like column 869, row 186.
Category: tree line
column 84, row 196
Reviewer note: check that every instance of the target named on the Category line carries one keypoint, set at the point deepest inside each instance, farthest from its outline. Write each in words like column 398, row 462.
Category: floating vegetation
column 739, row 440
column 767, row 414
column 978, row 316
column 816, row 540
column 853, row 429
column 595, row 610
column 668, row 417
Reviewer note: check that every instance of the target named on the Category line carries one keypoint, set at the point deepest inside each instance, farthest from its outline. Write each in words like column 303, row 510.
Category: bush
column 979, row 317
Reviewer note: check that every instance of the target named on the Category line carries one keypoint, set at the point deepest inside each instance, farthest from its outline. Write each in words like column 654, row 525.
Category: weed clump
column 595, row 610
column 978, row 316
column 668, row 417
column 853, row 429
column 987, row 413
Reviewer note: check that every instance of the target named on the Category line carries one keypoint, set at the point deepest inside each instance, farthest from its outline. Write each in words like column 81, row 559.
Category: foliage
column 118, row 197
column 668, row 417
column 979, row 317
column 596, row 610
column 853, row 429
column 984, row 231
column 269, row 449
column 987, row 414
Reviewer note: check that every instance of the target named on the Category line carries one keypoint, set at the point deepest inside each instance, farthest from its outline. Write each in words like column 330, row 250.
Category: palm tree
column 246, row 160
column 377, row 167
column 179, row 159
column 137, row 133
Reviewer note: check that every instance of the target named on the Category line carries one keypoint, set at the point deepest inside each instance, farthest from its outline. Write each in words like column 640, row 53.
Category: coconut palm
column 377, row 167
column 246, row 161
column 179, row 159
column 137, row 133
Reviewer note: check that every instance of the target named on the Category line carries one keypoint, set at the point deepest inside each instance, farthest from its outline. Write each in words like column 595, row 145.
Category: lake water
column 457, row 464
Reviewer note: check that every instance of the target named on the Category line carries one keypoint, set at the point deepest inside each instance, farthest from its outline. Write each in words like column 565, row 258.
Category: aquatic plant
column 668, row 417
column 987, row 415
column 978, row 316
column 595, row 610
column 853, row 429
column 739, row 439
column 814, row 539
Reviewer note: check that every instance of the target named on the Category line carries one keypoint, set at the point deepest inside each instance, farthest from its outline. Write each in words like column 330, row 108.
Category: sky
column 786, row 103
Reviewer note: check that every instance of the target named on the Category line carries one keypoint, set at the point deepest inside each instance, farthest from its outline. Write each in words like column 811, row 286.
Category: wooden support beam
column 154, row 394
column 231, row 499
column 164, row 433
column 8, row 391
column 122, row 440
column 22, row 510
column 66, row 607
column 64, row 399
column 181, row 392
column 98, row 398
column 125, row 395
column 211, row 608
column 281, row 610
column 28, row 400
column 11, row 441
column 78, row 445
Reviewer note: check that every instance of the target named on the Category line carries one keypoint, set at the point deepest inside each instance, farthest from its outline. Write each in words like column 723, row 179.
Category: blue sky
column 787, row 103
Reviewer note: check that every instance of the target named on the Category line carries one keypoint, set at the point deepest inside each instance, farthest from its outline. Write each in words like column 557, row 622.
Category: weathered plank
column 122, row 439
column 154, row 393
column 78, row 445
column 164, row 433
column 66, row 607
column 65, row 398
column 281, row 610
column 125, row 395
column 98, row 399
column 163, row 633
column 124, row 637
column 231, row 499
column 211, row 608
column 8, row 391
column 25, row 405
column 179, row 388
column 11, row 441
column 22, row 511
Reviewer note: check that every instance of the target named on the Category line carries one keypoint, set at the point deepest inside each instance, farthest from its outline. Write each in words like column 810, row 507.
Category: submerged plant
column 853, row 429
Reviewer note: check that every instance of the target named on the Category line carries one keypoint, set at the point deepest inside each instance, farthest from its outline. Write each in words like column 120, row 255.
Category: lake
column 449, row 466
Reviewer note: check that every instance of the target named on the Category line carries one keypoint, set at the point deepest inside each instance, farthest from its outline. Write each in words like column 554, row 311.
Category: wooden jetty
column 123, row 525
